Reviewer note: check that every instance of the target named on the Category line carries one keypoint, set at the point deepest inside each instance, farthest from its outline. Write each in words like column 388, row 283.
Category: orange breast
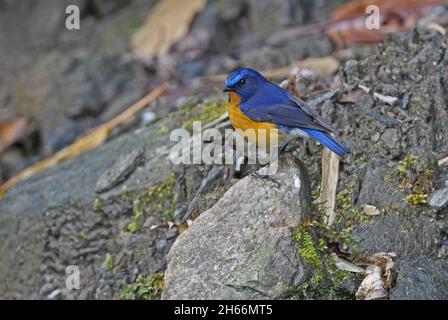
column 255, row 131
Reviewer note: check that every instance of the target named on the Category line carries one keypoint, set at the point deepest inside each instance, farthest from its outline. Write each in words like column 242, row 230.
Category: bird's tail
column 327, row 140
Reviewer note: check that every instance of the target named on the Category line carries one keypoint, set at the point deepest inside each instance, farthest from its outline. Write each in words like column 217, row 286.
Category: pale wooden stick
column 330, row 177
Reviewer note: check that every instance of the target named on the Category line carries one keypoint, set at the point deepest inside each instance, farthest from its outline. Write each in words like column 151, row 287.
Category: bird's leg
column 239, row 161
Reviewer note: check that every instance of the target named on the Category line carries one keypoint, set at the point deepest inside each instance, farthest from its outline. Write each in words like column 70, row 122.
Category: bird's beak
column 227, row 90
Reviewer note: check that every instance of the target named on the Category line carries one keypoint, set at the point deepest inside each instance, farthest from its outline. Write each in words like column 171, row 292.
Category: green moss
column 125, row 195
column 415, row 179
column 97, row 204
column 409, row 162
column 148, row 287
column 313, row 237
column 133, row 225
column 205, row 112
column 108, row 262
column 416, row 199
column 326, row 279
column 359, row 159
column 158, row 200
column 308, row 250
column 163, row 130
column 83, row 238
column 348, row 216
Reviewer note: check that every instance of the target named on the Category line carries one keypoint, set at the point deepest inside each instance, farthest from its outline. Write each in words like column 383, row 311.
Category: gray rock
column 119, row 171
column 421, row 279
column 76, row 85
column 391, row 138
column 373, row 188
column 439, row 199
column 242, row 247
column 409, row 237
column 55, row 219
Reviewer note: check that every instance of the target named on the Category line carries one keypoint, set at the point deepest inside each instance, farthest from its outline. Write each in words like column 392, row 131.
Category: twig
column 330, row 177
column 322, row 66
column 442, row 161
column 91, row 140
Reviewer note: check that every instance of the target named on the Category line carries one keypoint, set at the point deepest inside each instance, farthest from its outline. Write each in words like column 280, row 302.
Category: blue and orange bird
column 257, row 103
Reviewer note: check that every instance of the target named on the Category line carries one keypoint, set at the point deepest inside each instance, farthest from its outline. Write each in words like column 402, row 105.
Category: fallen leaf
column 356, row 8
column 395, row 16
column 379, row 278
column 352, row 96
column 373, row 286
column 11, row 131
column 347, row 266
column 91, row 140
column 167, row 23
column 290, row 83
column 182, row 227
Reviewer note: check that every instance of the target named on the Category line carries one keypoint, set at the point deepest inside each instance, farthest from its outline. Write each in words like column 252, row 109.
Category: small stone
column 119, row 171
column 390, row 114
column 151, row 222
column 443, row 251
column 371, row 210
column 171, row 233
column 148, row 117
column 376, row 137
column 439, row 199
column 391, row 138
column 161, row 244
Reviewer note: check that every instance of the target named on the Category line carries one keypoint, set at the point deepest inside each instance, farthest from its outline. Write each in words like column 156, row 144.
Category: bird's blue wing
column 273, row 104
column 286, row 114
column 306, row 108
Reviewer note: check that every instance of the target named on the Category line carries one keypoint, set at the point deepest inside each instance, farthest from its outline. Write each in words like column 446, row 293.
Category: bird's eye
column 242, row 82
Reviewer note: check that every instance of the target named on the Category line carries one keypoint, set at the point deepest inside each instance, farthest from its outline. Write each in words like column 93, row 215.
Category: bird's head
column 244, row 83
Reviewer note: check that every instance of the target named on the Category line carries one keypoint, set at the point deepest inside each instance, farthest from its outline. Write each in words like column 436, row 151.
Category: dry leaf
column 347, row 266
column 348, row 22
column 168, row 22
column 357, row 8
column 11, row 131
column 91, row 140
column 290, row 83
column 373, row 286
column 396, row 16
column 352, row 96
column 182, row 227
column 379, row 279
